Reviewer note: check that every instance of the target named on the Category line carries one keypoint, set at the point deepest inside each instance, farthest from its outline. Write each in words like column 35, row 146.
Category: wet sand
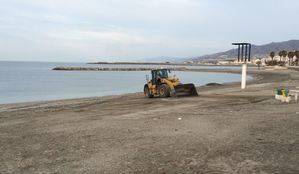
column 224, row 130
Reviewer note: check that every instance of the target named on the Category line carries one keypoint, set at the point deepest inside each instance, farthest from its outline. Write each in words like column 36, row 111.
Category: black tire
column 147, row 92
column 164, row 90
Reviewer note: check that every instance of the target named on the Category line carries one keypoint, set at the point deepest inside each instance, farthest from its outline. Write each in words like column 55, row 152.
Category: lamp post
column 244, row 56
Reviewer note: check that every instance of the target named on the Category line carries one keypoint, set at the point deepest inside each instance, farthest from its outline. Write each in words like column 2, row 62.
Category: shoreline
column 256, row 78
column 29, row 103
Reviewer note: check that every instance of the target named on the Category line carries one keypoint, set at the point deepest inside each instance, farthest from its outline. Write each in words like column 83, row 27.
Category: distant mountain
column 258, row 51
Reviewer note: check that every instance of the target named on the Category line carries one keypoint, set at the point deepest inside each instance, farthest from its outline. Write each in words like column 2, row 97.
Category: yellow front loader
column 161, row 85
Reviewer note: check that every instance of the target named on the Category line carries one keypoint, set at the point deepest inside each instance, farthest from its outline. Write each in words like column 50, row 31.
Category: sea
column 36, row 81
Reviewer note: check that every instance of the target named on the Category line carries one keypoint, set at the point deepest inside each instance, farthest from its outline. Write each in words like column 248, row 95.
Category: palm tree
column 284, row 54
column 280, row 55
column 296, row 53
column 272, row 55
column 259, row 62
column 291, row 56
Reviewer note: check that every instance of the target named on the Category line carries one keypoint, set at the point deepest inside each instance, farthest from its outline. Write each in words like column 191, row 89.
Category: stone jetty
column 111, row 69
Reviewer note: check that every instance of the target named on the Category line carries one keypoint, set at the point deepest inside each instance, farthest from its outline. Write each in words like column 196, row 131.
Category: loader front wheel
column 164, row 91
column 147, row 92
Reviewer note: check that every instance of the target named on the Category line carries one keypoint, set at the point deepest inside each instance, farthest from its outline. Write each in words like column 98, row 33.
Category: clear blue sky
column 120, row 30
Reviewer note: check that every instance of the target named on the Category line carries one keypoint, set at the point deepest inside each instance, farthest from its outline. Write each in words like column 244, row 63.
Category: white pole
column 244, row 74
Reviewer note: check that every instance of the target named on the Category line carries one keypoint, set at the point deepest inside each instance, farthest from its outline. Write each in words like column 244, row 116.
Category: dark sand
column 224, row 130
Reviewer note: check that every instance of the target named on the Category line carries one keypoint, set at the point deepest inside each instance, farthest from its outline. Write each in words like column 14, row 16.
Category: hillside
column 257, row 50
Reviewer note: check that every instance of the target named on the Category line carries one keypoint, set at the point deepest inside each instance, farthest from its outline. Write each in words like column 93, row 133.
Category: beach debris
column 213, row 84
column 179, row 118
column 294, row 93
column 282, row 94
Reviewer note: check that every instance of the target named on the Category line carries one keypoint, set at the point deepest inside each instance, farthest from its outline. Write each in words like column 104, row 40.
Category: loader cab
column 161, row 73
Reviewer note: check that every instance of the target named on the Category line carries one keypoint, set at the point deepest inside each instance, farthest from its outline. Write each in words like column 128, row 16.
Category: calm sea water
column 35, row 81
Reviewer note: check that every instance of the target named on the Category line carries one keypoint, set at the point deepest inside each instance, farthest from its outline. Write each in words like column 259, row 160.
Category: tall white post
column 244, row 75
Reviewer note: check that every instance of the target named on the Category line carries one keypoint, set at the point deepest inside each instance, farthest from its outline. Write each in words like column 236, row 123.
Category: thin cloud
column 72, row 30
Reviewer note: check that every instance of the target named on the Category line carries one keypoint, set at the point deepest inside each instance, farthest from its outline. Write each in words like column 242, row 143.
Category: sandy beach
column 223, row 130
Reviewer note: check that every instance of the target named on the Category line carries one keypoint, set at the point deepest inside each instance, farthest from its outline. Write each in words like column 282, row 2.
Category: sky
column 134, row 30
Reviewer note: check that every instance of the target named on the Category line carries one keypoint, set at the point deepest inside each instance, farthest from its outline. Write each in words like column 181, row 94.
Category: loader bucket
column 185, row 90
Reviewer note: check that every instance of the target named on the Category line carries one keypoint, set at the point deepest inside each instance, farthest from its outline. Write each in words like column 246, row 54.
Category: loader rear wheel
column 147, row 92
column 164, row 90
